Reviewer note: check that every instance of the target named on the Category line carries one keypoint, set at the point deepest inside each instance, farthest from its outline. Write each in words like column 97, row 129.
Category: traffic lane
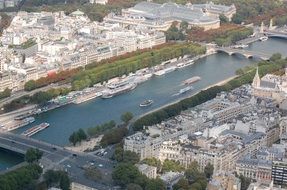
column 24, row 145
column 53, row 156
column 42, row 145
column 34, row 143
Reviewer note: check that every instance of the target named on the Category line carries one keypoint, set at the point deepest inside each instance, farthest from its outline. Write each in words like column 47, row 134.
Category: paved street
column 56, row 157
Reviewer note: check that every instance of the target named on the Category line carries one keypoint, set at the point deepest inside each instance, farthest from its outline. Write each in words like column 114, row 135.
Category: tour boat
column 146, row 103
column 264, row 38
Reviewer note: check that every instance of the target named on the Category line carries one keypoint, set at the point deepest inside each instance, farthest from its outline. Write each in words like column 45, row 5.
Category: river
column 9, row 159
column 212, row 69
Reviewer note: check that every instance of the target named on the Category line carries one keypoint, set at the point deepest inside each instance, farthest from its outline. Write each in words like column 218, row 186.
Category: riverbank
column 87, row 145
column 177, row 101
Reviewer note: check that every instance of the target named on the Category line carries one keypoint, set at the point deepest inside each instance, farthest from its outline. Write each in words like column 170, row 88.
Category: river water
column 212, row 69
column 9, row 159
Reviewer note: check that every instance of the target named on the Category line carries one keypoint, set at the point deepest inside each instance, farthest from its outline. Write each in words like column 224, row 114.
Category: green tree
column 171, row 165
column 208, row 170
column 65, row 182
column 223, row 18
column 192, row 173
column 82, row 134
column 237, row 18
column 133, row 186
column 114, row 136
column 130, row 157
column 245, row 182
column 184, row 25
column 155, row 184
column 173, row 33
column 57, row 179
column 100, row 129
column 196, row 186
column 182, row 184
column 33, row 155
column 276, row 57
column 51, row 177
column 118, row 154
column 239, row 72
column 126, row 117
column 74, row 138
column 125, row 173
column 152, row 162
column 6, row 93
column 20, row 178
column 30, row 85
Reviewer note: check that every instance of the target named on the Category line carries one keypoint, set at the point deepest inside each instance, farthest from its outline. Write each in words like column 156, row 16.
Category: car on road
column 100, row 165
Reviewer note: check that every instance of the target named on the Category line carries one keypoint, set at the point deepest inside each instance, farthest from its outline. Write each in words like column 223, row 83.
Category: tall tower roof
column 256, row 80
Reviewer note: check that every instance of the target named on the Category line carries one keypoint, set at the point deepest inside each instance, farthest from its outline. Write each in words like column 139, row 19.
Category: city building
column 77, row 186
column 161, row 16
column 227, row 181
column 149, row 171
column 270, row 86
column 171, row 178
column 36, row 45
column 102, row 2
column 279, row 172
column 264, row 186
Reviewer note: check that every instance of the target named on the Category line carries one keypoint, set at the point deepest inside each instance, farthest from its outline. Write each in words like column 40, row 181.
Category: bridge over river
column 56, row 157
column 246, row 53
column 276, row 33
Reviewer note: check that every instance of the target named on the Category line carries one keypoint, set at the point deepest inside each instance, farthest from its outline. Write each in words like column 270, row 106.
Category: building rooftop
column 170, row 11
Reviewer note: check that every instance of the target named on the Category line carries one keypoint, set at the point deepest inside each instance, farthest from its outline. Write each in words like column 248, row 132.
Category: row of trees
column 205, row 95
column 52, row 78
column 114, row 136
column 226, row 35
column 67, row 75
column 233, row 36
column 100, row 129
column 112, row 133
column 21, row 178
column 5, row 93
column 121, row 67
column 127, row 175
column 57, row 179
column 27, row 177
column 39, row 98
